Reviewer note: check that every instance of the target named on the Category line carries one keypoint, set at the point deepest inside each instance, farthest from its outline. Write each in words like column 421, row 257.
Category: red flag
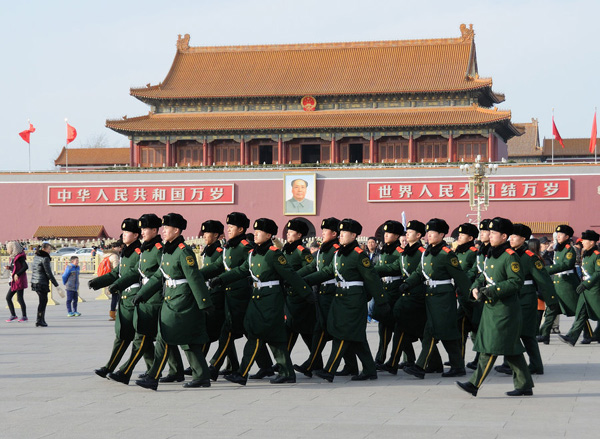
column 556, row 134
column 26, row 135
column 593, row 137
column 71, row 133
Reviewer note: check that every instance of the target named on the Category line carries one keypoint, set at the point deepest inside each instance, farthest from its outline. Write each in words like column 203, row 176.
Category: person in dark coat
column 41, row 276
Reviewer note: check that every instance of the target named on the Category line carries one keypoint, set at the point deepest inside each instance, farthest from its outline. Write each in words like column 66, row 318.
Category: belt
column 130, row 287
column 329, row 282
column 434, row 283
column 390, row 279
column 528, row 282
column 345, row 285
column 564, row 272
column 271, row 283
column 172, row 283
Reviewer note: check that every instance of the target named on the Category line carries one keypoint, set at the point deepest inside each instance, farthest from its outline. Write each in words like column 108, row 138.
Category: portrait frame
column 308, row 205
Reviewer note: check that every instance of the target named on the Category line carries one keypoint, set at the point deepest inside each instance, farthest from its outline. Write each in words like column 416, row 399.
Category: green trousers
column 252, row 350
column 532, row 347
column 521, row 376
column 581, row 323
column 315, row 360
column 194, row 354
column 549, row 316
column 118, row 350
column 453, row 348
column 358, row 348
column 143, row 346
column 174, row 360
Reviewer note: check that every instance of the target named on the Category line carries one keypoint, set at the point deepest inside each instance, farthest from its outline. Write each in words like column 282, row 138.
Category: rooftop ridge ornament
column 183, row 44
column 467, row 33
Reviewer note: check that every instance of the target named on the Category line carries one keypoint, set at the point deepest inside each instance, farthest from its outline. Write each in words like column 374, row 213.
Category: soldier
column 588, row 304
column 326, row 292
column 124, row 327
column 409, row 310
column 237, row 297
column 535, row 278
column 500, row 326
column 186, row 300
column 390, row 253
column 441, row 271
column 566, row 280
column 300, row 315
column 347, row 319
column 466, row 253
column 145, row 316
column 264, row 321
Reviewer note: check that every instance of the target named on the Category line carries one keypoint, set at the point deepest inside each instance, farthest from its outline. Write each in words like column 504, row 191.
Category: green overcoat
column 535, row 277
column 390, row 253
column 300, row 315
column 213, row 255
column 590, row 266
column 128, row 262
column 499, row 331
column 566, row 279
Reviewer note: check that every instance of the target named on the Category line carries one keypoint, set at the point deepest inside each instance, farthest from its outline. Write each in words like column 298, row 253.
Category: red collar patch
column 529, row 252
column 358, row 249
column 181, row 245
column 158, row 245
column 510, row 251
column 219, row 249
column 138, row 251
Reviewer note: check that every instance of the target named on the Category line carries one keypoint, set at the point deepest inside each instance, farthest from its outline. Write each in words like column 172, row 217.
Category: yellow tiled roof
column 70, row 232
column 93, row 157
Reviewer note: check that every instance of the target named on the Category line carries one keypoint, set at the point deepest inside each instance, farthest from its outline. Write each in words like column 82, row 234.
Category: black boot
column 40, row 320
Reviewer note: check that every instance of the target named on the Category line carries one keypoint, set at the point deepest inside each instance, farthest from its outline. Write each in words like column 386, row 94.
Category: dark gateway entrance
column 356, row 152
column 311, row 153
column 265, row 154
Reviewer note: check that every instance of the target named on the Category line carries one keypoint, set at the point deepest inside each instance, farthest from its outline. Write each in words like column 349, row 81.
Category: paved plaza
column 49, row 390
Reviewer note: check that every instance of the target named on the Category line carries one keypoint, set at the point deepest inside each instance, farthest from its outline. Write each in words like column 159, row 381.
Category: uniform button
column 144, row 260
column 336, row 295
column 491, row 266
column 167, row 263
column 204, row 300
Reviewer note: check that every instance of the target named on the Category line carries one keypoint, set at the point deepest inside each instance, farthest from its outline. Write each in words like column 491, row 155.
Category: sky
column 78, row 59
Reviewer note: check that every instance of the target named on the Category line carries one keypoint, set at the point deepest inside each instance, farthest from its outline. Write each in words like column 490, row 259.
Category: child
column 71, row 280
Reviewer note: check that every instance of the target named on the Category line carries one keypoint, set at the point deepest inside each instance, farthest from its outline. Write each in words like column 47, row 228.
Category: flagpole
column 29, row 143
column 553, row 137
column 67, row 149
column 595, row 146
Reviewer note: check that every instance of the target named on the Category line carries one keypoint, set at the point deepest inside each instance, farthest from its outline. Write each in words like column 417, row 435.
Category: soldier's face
column 516, row 241
column 328, row 235
column 129, row 237
column 434, row 238
column 497, row 238
column 210, row 238
column 292, row 236
column 388, row 237
column 561, row 237
column 261, row 236
column 484, row 236
column 463, row 238
column 412, row 236
column 347, row 237
column 587, row 244
column 148, row 233
column 299, row 190
column 169, row 233
column 233, row 231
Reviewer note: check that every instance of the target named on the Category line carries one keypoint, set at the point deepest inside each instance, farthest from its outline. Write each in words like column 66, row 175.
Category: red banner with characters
column 140, row 194
column 436, row 190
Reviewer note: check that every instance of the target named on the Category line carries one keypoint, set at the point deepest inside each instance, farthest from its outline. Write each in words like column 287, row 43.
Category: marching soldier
column 237, row 297
column 409, row 310
column 186, row 300
column 326, row 293
column 124, row 326
column 500, row 327
column 347, row 320
column 535, row 277
column 264, row 321
column 300, row 315
column 566, row 280
column 390, row 253
column 146, row 315
column 588, row 304
column 466, row 253
column 441, row 271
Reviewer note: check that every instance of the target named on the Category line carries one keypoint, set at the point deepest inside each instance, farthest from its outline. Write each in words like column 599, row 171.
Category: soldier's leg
column 292, row 338
column 161, row 354
column 318, row 343
column 385, row 336
column 399, row 344
column 350, row 361
column 118, row 350
column 427, row 348
column 197, row 360
column 484, row 367
column 453, row 347
column 251, row 349
column 552, row 311
column 521, row 375
column 363, row 352
column 580, row 322
column 588, row 333
column 142, row 346
column 533, row 351
column 263, row 358
column 282, row 358
column 465, row 327
column 225, row 347
column 338, row 348
column 174, row 360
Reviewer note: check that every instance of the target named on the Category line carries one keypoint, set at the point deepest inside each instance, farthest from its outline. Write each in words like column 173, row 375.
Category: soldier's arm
column 566, row 263
column 393, row 269
column 127, row 280
column 461, row 280
column 595, row 276
column 154, row 285
column 307, row 257
column 237, row 273
column 513, row 282
column 189, row 266
column 104, row 280
column 308, row 268
column 283, row 269
column 321, row 276
column 415, row 278
column 541, row 277
column 213, row 270
column 371, row 280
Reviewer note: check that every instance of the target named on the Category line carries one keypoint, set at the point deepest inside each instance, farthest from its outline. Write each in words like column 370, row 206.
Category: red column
column 279, row 150
column 210, row 154
column 333, row 153
column 132, row 154
column 168, row 154
column 205, row 153
column 372, row 150
column 375, row 151
column 412, row 153
column 242, row 152
column 451, row 149
column 490, row 146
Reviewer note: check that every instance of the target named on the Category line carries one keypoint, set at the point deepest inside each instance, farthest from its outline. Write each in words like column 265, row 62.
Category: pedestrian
column 183, row 312
column 70, row 279
column 17, row 267
column 500, row 327
column 41, row 276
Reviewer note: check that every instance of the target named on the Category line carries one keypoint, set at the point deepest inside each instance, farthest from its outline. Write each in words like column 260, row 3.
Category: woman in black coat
column 41, row 277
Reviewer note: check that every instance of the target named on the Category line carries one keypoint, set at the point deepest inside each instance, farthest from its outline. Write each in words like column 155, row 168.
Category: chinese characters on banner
column 500, row 190
column 151, row 194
